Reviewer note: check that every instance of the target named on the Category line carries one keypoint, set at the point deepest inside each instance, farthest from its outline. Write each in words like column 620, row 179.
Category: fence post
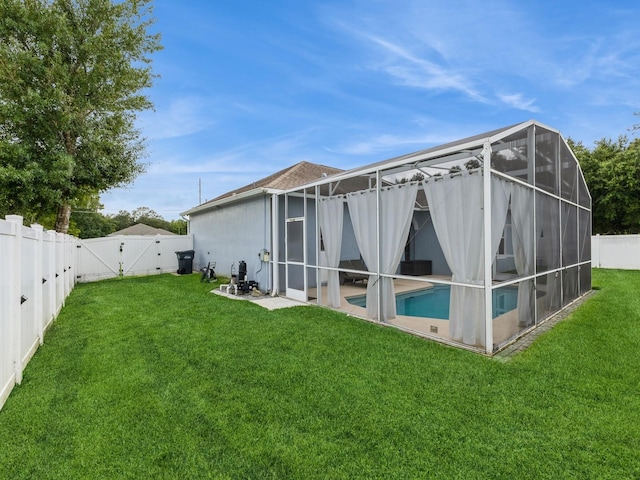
column 74, row 256
column 51, row 274
column 37, row 279
column 65, row 267
column 69, row 265
column 14, row 310
column 595, row 251
column 59, row 276
column 68, row 271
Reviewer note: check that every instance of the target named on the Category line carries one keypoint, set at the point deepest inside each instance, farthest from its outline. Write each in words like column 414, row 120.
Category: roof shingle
column 141, row 229
column 290, row 177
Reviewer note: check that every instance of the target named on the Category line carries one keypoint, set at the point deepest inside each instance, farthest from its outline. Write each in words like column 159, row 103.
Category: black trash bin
column 185, row 261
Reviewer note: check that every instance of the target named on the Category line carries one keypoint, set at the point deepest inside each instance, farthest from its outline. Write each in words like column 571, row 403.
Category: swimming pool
column 434, row 302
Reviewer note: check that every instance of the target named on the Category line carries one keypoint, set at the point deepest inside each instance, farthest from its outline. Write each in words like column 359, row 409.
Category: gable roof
column 141, row 229
column 299, row 174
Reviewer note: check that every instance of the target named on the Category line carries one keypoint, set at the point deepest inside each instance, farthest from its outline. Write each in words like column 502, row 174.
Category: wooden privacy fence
column 36, row 276
column 38, row 270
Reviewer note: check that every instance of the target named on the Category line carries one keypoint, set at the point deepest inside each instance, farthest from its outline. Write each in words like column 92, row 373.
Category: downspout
column 265, row 222
column 187, row 219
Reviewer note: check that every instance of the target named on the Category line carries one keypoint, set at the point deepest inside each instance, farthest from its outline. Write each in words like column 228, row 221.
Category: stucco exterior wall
column 425, row 245
column 232, row 233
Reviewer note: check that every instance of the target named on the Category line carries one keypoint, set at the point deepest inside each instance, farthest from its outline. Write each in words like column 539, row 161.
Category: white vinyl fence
column 615, row 251
column 36, row 275
column 38, row 270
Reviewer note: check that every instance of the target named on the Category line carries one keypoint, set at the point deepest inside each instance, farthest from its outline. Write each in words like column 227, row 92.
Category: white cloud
column 251, row 158
column 387, row 142
column 517, row 100
column 453, row 48
column 603, row 66
column 181, row 117
column 411, row 69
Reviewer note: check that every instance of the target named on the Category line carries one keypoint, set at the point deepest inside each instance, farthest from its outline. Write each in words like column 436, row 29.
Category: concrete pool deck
column 505, row 326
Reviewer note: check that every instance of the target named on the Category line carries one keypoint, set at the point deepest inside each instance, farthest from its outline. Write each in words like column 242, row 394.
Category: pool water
column 434, row 302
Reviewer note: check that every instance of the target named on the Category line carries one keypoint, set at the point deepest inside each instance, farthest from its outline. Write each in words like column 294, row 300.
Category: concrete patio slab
column 265, row 301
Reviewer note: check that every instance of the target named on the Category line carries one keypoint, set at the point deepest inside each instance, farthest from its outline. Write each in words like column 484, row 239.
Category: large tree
column 72, row 78
column 612, row 172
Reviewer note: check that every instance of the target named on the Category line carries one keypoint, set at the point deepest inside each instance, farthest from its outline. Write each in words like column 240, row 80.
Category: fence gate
column 98, row 258
column 139, row 255
column 126, row 255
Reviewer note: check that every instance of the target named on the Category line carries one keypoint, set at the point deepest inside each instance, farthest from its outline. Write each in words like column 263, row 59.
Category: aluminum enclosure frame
column 480, row 149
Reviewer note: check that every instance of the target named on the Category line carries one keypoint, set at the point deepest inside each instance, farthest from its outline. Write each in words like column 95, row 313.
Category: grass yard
column 156, row 378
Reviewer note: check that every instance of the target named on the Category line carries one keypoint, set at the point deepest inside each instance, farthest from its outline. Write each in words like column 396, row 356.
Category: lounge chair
column 357, row 264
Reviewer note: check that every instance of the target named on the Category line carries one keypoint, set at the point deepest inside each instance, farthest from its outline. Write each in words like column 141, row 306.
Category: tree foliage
column 415, row 177
column 472, row 164
column 71, row 77
column 612, row 172
column 87, row 222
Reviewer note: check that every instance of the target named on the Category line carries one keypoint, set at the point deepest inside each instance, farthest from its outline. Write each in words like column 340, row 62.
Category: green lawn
column 156, row 378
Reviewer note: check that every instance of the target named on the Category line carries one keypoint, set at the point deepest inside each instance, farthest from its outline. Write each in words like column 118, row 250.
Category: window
column 506, row 247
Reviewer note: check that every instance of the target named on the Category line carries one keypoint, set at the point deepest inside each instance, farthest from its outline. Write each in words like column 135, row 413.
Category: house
column 473, row 243
column 237, row 226
column 141, row 229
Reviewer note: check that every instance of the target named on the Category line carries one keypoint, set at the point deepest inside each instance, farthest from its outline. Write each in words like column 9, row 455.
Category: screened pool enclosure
column 472, row 243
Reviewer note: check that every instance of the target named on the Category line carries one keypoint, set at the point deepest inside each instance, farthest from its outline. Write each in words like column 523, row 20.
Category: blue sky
column 247, row 88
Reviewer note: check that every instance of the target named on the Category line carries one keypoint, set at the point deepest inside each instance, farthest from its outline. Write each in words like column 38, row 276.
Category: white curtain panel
column 500, row 194
column 455, row 204
column 363, row 212
column 397, row 206
column 523, row 244
column 331, row 214
column 396, row 212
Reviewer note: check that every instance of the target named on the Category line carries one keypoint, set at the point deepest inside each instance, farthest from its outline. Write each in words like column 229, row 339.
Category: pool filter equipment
column 244, row 284
column 242, row 271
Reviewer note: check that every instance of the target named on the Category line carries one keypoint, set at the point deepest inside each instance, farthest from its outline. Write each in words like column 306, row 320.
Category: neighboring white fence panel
column 36, row 275
column 128, row 255
column 59, row 275
column 70, row 262
column 29, row 284
column 616, row 251
column 7, row 321
column 48, row 278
